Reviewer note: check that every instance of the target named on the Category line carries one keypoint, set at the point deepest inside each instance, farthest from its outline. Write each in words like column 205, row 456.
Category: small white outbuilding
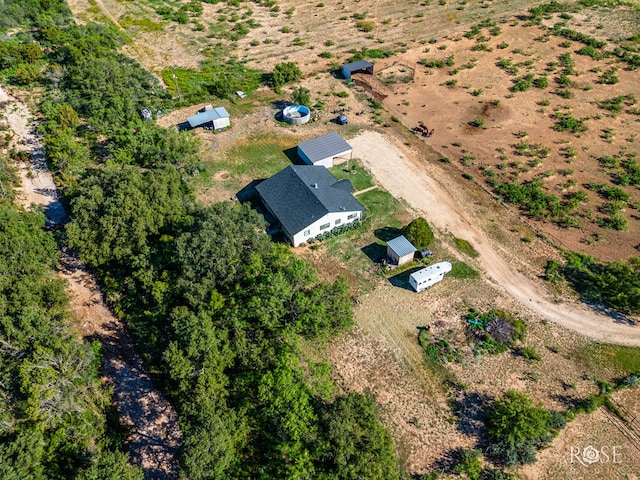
column 400, row 250
column 425, row 278
column 321, row 151
column 216, row 118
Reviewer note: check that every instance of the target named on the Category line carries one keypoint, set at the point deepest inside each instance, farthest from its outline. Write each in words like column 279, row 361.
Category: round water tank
column 296, row 114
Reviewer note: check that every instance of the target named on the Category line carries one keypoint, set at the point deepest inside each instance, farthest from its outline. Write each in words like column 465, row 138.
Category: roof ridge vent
column 314, row 185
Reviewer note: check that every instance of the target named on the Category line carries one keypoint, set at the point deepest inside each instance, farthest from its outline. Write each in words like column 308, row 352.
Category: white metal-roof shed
column 322, row 150
column 218, row 116
column 400, row 250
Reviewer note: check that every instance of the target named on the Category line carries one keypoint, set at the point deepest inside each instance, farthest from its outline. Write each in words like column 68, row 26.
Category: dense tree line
column 52, row 404
column 225, row 318
column 614, row 284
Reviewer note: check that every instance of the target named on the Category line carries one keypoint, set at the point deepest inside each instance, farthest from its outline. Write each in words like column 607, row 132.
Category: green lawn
column 353, row 172
column 465, row 247
column 621, row 359
column 462, row 270
column 254, row 158
column 383, row 210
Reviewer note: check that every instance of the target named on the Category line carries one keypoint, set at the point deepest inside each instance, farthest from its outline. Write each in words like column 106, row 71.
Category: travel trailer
column 423, row 279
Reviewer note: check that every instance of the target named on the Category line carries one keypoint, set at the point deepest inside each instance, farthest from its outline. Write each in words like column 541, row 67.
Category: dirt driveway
column 417, row 183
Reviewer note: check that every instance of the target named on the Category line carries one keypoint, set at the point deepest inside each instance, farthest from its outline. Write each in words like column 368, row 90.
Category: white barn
column 322, row 150
column 426, row 277
column 309, row 200
column 217, row 117
column 400, row 250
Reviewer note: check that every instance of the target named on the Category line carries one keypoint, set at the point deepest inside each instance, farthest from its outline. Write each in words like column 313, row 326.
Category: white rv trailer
column 423, row 279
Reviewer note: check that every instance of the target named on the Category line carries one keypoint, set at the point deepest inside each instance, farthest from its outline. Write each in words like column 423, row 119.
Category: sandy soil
column 482, row 92
column 155, row 433
column 600, row 430
column 418, row 184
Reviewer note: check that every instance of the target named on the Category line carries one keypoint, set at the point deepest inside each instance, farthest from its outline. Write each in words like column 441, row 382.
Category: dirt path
column 155, row 433
column 417, row 183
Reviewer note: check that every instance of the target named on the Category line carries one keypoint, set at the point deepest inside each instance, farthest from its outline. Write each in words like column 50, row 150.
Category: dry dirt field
column 482, row 92
column 381, row 355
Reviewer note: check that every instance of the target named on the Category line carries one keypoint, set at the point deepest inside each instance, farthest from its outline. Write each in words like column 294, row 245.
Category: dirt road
column 417, row 183
column 155, row 433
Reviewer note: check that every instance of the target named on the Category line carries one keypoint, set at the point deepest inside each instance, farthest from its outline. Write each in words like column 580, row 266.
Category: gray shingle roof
column 325, row 146
column 299, row 195
column 401, row 246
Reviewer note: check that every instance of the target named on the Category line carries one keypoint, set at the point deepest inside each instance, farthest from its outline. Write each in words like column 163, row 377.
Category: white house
column 423, row 279
column 322, row 150
column 216, row 117
column 308, row 200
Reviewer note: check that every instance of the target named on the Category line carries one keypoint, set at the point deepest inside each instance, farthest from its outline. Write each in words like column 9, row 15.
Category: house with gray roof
column 322, row 150
column 308, row 201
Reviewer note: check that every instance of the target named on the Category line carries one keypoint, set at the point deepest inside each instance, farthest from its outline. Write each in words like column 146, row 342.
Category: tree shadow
column 281, row 104
column 469, row 408
column 617, row 317
column 567, row 400
column 387, row 233
column 449, row 459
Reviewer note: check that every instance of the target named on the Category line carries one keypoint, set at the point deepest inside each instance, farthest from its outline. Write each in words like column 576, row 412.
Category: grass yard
column 354, row 172
column 606, row 360
column 462, row 270
column 354, row 248
column 465, row 247
column 255, row 157
column 382, row 209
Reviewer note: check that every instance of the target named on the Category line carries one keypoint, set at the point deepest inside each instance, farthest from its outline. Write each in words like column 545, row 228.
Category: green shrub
column 284, row 73
column 608, row 77
column 567, row 122
column 522, row 84
column 615, row 284
column 301, row 96
column 419, row 233
column 529, row 353
column 469, row 464
column 518, row 427
column 541, row 82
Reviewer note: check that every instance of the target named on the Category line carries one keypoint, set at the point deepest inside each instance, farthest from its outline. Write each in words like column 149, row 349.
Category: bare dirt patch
column 479, row 90
column 599, row 430
column 221, row 176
